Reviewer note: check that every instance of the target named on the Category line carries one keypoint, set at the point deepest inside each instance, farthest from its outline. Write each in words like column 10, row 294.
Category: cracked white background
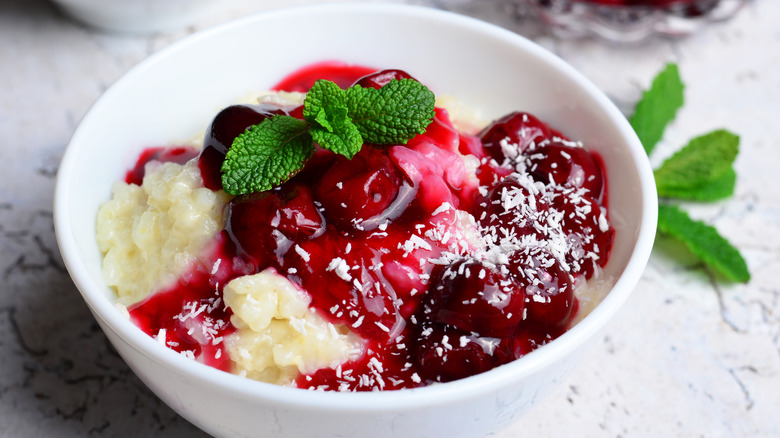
column 688, row 356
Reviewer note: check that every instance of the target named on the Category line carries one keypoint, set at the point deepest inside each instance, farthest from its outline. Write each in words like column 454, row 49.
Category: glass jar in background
column 626, row 21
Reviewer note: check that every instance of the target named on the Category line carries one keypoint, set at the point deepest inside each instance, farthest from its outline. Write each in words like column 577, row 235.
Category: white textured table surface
column 687, row 356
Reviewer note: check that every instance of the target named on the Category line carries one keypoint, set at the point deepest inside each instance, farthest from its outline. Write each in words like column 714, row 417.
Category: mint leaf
column 344, row 139
column 325, row 108
column 266, row 155
column 704, row 241
column 658, row 107
column 325, row 104
column 702, row 170
column 392, row 114
column 720, row 187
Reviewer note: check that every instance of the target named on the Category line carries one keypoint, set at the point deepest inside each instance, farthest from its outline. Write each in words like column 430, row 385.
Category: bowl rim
column 399, row 400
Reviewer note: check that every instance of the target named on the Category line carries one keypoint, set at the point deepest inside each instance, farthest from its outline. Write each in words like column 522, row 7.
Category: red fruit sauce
column 162, row 154
column 378, row 243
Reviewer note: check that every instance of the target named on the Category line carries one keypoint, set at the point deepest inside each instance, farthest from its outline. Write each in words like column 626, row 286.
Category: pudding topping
column 448, row 256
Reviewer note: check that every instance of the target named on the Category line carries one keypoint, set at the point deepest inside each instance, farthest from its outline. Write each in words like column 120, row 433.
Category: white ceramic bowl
column 174, row 94
column 138, row 16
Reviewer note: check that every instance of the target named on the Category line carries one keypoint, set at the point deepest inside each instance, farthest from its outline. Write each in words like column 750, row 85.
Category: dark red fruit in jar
column 559, row 163
column 353, row 191
column 262, row 223
column 178, row 155
column 381, row 78
column 474, row 297
column 548, row 287
column 443, row 353
column 513, row 134
column 225, row 127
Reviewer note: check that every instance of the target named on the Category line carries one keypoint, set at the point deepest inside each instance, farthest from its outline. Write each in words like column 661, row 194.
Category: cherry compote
column 444, row 268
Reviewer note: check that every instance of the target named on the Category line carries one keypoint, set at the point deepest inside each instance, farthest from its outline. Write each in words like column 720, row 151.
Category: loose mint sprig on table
column 270, row 153
column 700, row 171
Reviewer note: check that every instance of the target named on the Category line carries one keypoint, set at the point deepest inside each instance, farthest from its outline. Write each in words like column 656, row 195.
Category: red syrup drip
column 358, row 251
column 179, row 154
column 191, row 311
column 343, row 74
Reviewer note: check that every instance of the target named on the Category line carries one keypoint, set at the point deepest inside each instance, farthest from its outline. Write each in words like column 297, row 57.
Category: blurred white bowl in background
column 138, row 16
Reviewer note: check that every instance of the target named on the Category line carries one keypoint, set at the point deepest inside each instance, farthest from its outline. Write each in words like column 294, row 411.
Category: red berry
column 380, row 78
column 443, row 353
column 589, row 235
column 563, row 164
column 474, row 297
column 528, row 339
column 225, row 127
column 512, row 134
column 513, row 207
column 261, row 223
column 548, row 288
column 341, row 277
column 354, row 191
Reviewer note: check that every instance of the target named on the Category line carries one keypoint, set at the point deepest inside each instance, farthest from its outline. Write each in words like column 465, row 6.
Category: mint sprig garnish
column 701, row 171
column 341, row 121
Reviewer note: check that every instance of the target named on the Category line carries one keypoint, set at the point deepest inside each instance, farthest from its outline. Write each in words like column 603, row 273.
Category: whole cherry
column 548, row 287
column 512, row 207
column 224, row 128
column 509, row 136
column 564, row 164
column 443, row 353
column 353, row 191
column 380, row 78
column 473, row 296
column 260, row 223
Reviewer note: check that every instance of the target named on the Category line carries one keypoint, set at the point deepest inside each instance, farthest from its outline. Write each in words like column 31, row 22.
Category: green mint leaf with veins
column 325, row 104
column 658, row 107
column 702, row 170
column 720, row 187
column 266, row 155
column 392, row 114
column 325, row 108
column 344, row 139
column 704, row 241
